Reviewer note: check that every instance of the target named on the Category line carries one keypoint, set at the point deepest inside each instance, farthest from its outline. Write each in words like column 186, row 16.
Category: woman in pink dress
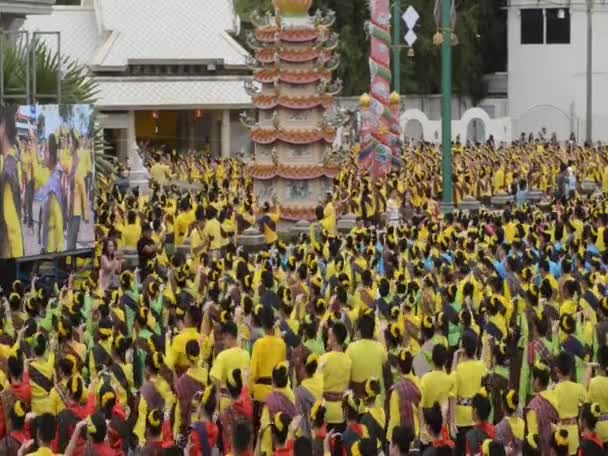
column 111, row 265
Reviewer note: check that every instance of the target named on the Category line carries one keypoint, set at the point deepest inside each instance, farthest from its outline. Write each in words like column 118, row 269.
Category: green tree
column 479, row 30
column 77, row 87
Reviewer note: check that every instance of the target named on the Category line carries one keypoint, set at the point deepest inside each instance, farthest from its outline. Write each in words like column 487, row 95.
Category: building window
column 532, row 26
column 558, row 25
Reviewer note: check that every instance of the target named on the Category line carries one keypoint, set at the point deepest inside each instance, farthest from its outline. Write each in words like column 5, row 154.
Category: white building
column 547, row 49
column 166, row 73
column 13, row 12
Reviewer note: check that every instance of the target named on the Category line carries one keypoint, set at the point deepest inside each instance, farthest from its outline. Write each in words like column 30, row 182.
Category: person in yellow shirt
column 189, row 384
column 160, row 172
column 328, row 221
column 156, row 392
column 280, row 400
column 131, row 232
column 468, row 374
column 176, row 356
column 199, row 242
column 268, row 351
column 598, row 392
column 46, row 430
column 58, row 396
column 309, row 392
column 498, row 183
column 29, row 163
column 374, row 418
column 605, row 179
column 570, row 398
column 541, row 413
column 368, row 357
column 78, row 203
column 11, row 234
column 213, row 230
column 86, row 167
column 230, row 358
column 42, row 375
column 245, row 216
column 335, row 366
column 436, row 386
column 47, row 182
column 405, row 397
column 268, row 222
column 183, row 221
column 510, row 431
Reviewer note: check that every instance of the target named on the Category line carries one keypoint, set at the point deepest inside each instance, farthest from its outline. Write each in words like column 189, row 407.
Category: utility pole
column 589, row 121
column 396, row 15
column 446, row 106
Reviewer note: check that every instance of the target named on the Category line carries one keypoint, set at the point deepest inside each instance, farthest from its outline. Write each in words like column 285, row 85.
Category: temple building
column 294, row 95
column 165, row 75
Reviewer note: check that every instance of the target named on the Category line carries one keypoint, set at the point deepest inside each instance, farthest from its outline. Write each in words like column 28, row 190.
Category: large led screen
column 46, row 179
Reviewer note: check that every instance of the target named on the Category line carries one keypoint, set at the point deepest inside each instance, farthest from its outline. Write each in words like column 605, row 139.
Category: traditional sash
column 277, row 402
column 40, row 379
column 409, row 396
column 120, row 376
column 546, row 415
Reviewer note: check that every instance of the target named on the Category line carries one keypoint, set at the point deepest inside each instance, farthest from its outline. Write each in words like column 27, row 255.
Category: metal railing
column 22, row 46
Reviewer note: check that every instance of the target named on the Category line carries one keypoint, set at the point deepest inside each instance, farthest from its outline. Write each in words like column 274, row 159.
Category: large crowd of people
column 415, row 332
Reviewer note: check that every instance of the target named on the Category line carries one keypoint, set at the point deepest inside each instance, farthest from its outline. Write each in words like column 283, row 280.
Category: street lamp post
column 447, row 204
column 589, row 115
column 410, row 17
column 396, row 47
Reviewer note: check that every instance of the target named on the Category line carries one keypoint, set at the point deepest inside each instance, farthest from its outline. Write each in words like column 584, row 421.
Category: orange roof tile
column 292, row 55
column 266, row 34
column 303, row 77
column 292, row 136
column 291, row 172
column 265, row 55
column 266, row 75
column 298, row 35
column 269, row 75
column 302, row 102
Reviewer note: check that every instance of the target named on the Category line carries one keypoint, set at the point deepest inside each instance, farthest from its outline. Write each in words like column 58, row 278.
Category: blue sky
column 80, row 116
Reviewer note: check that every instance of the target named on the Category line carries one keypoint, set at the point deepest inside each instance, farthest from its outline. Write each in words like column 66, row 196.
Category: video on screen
column 46, row 179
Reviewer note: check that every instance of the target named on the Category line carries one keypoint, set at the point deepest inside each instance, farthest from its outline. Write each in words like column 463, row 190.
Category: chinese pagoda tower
column 292, row 90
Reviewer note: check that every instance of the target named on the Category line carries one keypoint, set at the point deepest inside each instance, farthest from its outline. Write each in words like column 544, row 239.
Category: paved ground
column 86, row 235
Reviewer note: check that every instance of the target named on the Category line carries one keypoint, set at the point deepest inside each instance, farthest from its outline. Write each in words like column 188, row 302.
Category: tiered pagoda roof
column 271, row 75
column 292, row 136
column 295, row 58
column 293, row 102
column 300, row 172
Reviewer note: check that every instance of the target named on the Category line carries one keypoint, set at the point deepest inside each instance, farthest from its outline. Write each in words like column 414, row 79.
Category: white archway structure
column 414, row 130
column 416, row 114
column 469, row 116
column 500, row 128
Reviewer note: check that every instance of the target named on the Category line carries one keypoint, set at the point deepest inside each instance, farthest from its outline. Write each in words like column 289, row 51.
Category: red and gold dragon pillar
column 380, row 133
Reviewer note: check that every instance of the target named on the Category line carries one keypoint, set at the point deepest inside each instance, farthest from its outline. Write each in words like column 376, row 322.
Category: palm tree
column 76, row 84
column 77, row 87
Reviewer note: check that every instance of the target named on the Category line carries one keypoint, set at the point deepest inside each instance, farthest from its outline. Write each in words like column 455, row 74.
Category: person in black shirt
column 146, row 250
